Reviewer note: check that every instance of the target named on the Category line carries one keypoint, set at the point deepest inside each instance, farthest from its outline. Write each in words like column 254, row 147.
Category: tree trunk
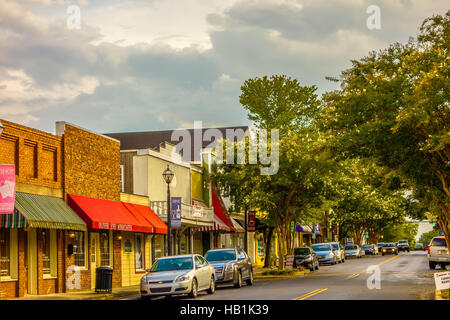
column 268, row 244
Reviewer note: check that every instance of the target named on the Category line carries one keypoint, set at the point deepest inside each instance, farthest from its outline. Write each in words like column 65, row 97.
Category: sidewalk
column 86, row 295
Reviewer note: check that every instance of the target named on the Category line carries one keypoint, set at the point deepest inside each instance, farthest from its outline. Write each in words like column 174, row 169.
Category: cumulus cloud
column 150, row 65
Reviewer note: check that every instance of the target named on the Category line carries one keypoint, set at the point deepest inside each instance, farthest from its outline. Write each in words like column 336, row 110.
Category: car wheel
column 194, row 290
column 249, row 281
column 145, row 298
column 432, row 265
column 238, row 283
column 212, row 286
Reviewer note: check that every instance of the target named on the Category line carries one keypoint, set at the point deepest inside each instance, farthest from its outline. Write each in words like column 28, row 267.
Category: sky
column 143, row 65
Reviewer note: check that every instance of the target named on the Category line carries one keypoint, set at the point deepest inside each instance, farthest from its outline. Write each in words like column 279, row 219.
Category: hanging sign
column 175, row 212
column 7, row 188
column 251, row 223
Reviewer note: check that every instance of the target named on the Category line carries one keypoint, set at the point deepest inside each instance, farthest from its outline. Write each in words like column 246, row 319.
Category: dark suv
column 306, row 257
column 232, row 266
column 403, row 245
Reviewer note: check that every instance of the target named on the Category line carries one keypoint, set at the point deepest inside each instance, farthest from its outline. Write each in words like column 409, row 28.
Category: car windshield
column 380, row 244
column 350, row 247
column 389, row 245
column 335, row 246
column 172, row 264
column 321, row 247
column 221, row 255
column 403, row 241
column 439, row 242
column 301, row 251
column 367, row 246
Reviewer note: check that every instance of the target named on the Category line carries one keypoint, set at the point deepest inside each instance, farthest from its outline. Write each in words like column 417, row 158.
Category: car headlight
column 330, row 255
column 308, row 259
column 229, row 267
column 182, row 278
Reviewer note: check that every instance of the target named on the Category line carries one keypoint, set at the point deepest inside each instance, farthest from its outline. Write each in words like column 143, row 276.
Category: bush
column 279, row 272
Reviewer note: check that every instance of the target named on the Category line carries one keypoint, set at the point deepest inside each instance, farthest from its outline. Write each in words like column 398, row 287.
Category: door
column 243, row 264
column 95, row 256
column 32, row 261
column 200, row 272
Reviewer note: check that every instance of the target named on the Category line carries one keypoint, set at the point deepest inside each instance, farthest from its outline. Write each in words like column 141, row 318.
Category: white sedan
column 186, row 274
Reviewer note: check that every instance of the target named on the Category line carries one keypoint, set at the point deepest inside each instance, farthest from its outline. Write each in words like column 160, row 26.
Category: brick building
column 34, row 238
column 44, row 242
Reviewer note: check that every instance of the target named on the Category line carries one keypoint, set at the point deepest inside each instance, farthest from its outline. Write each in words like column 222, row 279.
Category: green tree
column 393, row 107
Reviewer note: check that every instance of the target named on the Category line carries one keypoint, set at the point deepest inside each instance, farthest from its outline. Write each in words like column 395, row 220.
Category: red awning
column 147, row 213
column 219, row 225
column 113, row 215
column 220, row 210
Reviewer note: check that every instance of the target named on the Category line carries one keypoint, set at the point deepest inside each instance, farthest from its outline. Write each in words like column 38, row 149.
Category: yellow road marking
column 390, row 259
column 353, row 275
column 313, row 294
column 309, row 294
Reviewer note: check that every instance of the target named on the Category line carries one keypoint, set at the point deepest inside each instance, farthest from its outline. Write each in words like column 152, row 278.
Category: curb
column 282, row 276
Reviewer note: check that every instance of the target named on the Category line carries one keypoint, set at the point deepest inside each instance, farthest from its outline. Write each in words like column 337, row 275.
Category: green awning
column 35, row 211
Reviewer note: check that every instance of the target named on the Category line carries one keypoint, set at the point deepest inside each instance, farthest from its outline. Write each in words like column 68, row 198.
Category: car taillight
column 428, row 249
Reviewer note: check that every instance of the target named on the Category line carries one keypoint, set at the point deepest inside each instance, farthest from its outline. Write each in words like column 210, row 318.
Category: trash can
column 103, row 282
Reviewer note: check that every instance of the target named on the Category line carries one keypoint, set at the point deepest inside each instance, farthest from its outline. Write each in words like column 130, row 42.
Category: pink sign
column 7, row 188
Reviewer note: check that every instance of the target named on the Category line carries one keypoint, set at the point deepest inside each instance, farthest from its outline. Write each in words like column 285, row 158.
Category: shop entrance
column 31, row 253
column 95, row 256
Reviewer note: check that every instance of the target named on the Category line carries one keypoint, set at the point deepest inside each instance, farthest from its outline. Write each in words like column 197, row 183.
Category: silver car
column 186, row 274
column 339, row 251
column 353, row 250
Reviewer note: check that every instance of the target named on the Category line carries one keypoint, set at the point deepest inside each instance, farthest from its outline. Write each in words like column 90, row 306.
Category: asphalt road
column 403, row 277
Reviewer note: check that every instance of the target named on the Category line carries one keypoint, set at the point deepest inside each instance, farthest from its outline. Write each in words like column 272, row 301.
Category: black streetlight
column 1, row 128
column 168, row 176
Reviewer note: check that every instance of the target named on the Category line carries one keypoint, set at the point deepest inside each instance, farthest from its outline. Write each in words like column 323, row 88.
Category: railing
column 195, row 213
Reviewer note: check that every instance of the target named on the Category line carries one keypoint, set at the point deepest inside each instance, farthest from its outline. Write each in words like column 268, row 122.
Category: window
column 46, row 252
column 139, row 251
column 5, row 253
column 122, row 181
column 198, row 262
column 104, row 249
column 157, row 247
column 241, row 255
column 79, row 249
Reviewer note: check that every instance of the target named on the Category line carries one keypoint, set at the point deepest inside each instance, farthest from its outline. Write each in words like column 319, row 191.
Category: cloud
column 150, row 65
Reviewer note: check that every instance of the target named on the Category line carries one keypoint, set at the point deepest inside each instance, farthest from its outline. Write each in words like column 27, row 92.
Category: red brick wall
column 36, row 154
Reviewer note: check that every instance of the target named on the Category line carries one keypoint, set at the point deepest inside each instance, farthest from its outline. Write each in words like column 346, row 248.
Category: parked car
column 370, row 249
column 185, row 274
column 353, row 250
column 232, row 266
column 306, row 257
column 389, row 248
column 339, row 251
column 438, row 253
column 325, row 253
column 380, row 246
column 403, row 245
column 419, row 246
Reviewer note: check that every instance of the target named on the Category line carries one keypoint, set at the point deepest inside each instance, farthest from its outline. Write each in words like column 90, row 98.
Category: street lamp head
column 1, row 128
column 168, row 175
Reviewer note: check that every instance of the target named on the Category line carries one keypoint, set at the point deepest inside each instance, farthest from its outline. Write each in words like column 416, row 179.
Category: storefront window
column 104, row 249
column 46, row 252
column 5, row 258
column 157, row 247
column 139, row 251
column 79, row 249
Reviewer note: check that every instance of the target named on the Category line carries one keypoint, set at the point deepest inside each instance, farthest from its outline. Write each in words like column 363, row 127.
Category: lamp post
column 168, row 176
column 1, row 128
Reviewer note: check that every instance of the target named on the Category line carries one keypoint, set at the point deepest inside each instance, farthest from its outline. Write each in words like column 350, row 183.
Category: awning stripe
column 13, row 220
column 46, row 212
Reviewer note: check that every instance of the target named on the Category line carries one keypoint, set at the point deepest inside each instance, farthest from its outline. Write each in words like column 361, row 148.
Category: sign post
column 289, row 262
column 251, row 225
column 7, row 188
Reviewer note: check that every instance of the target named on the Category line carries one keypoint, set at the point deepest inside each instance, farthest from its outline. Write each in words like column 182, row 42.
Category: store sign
column 175, row 212
column 442, row 280
column 251, row 222
column 197, row 211
column 289, row 263
column 316, row 229
column 7, row 188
